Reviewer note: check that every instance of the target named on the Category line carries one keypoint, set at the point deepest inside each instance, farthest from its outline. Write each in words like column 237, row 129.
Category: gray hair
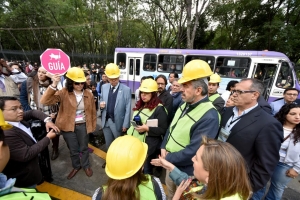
column 256, row 85
column 200, row 83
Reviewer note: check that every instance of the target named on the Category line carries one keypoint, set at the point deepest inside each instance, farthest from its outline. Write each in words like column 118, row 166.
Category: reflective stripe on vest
column 179, row 136
column 146, row 189
column 213, row 97
column 144, row 114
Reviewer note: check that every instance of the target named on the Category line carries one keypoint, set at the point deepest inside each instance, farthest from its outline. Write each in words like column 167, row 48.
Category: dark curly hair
column 69, row 85
column 154, row 101
column 281, row 117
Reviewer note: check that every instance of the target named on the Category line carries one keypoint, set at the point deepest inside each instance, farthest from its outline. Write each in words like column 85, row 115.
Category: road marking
column 67, row 194
column 61, row 192
column 98, row 152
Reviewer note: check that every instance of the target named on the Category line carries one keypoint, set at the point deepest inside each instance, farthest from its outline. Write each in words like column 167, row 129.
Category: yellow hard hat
column 125, row 156
column 3, row 124
column 76, row 74
column 195, row 69
column 215, row 78
column 112, row 70
column 148, row 85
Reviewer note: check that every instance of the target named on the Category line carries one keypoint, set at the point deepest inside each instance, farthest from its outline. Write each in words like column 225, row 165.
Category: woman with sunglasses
column 288, row 166
column 76, row 116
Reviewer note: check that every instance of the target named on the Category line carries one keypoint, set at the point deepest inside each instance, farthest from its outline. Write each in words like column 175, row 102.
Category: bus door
column 276, row 78
column 285, row 78
column 134, row 73
column 265, row 72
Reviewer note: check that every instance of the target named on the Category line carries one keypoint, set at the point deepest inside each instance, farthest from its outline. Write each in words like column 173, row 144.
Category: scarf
column 33, row 85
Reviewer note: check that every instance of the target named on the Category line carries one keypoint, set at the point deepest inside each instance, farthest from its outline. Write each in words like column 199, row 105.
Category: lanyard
column 240, row 117
column 232, row 121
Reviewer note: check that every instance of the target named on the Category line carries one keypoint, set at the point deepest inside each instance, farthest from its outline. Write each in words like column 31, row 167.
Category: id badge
column 223, row 134
column 79, row 116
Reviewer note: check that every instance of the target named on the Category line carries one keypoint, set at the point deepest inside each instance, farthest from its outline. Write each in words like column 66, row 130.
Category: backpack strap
column 157, row 190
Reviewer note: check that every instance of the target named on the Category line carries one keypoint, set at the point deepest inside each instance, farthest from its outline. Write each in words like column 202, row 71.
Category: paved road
column 81, row 183
column 292, row 192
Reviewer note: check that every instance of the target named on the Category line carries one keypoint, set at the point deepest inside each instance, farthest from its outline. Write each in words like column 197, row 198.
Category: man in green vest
column 214, row 97
column 194, row 118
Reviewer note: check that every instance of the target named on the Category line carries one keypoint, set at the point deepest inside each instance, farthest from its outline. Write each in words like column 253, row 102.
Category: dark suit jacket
column 264, row 104
column 258, row 137
column 167, row 101
column 23, row 163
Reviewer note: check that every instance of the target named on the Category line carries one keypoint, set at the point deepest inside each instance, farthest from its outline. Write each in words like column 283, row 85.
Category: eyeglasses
column 81, row 83
column 290, row 94
column 15, row 109
column 239, row 92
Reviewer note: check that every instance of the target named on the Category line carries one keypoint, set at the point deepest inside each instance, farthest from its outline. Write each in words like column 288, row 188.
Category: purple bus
column 274, row 69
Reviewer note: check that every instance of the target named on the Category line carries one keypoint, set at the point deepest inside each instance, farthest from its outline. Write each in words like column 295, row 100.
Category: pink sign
column 55, row 61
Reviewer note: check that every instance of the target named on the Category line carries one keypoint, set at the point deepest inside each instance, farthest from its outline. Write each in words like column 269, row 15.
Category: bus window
column 285, row 76
column 209, row 59
column 121, row 57
column 170, row 63
column 131, row 66
column 233, row 67
column 137, row 67
column 150, row 62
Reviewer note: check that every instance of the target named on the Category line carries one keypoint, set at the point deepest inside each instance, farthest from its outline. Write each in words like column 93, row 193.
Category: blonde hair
column 227, row 170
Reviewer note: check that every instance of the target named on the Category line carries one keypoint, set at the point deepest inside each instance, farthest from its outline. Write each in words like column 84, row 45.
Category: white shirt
column 78, row 97
column 225, row 95
column 235, row 118
column 116, row 87
column 23, row 128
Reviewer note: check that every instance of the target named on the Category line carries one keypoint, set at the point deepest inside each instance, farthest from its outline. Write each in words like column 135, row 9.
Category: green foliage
column 97, row 27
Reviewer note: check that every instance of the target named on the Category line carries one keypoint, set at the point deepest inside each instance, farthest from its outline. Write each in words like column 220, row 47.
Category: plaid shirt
column 46, row 109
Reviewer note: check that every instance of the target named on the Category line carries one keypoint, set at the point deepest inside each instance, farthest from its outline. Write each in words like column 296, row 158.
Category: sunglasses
column 81, row 83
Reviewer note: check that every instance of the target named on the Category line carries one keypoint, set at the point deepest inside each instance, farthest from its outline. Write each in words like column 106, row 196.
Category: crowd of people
column 212, row 146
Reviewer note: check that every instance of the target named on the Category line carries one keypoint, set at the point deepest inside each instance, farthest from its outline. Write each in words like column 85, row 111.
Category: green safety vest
column 146, row 189
column 213, row 97
column 26, row 194
column 144, row 114
column 179, row 136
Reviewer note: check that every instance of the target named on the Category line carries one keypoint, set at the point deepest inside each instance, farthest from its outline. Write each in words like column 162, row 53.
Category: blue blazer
column 276, row 106
column 122, row 106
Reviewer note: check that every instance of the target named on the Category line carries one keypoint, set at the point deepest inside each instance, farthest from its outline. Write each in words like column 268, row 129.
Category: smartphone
column 133, row 123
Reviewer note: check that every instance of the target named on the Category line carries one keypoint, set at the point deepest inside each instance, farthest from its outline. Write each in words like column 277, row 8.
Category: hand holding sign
column 55, row 61
column 55, row 79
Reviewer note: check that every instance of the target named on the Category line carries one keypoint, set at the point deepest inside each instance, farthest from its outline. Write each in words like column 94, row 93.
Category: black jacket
column 219, row 103
column 167, row 101
column 258, row 137
column 23, row 163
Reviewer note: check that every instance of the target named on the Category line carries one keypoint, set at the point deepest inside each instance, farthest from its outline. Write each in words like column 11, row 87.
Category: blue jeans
column 258, row 195
column 278, row 182
column 93, row 77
